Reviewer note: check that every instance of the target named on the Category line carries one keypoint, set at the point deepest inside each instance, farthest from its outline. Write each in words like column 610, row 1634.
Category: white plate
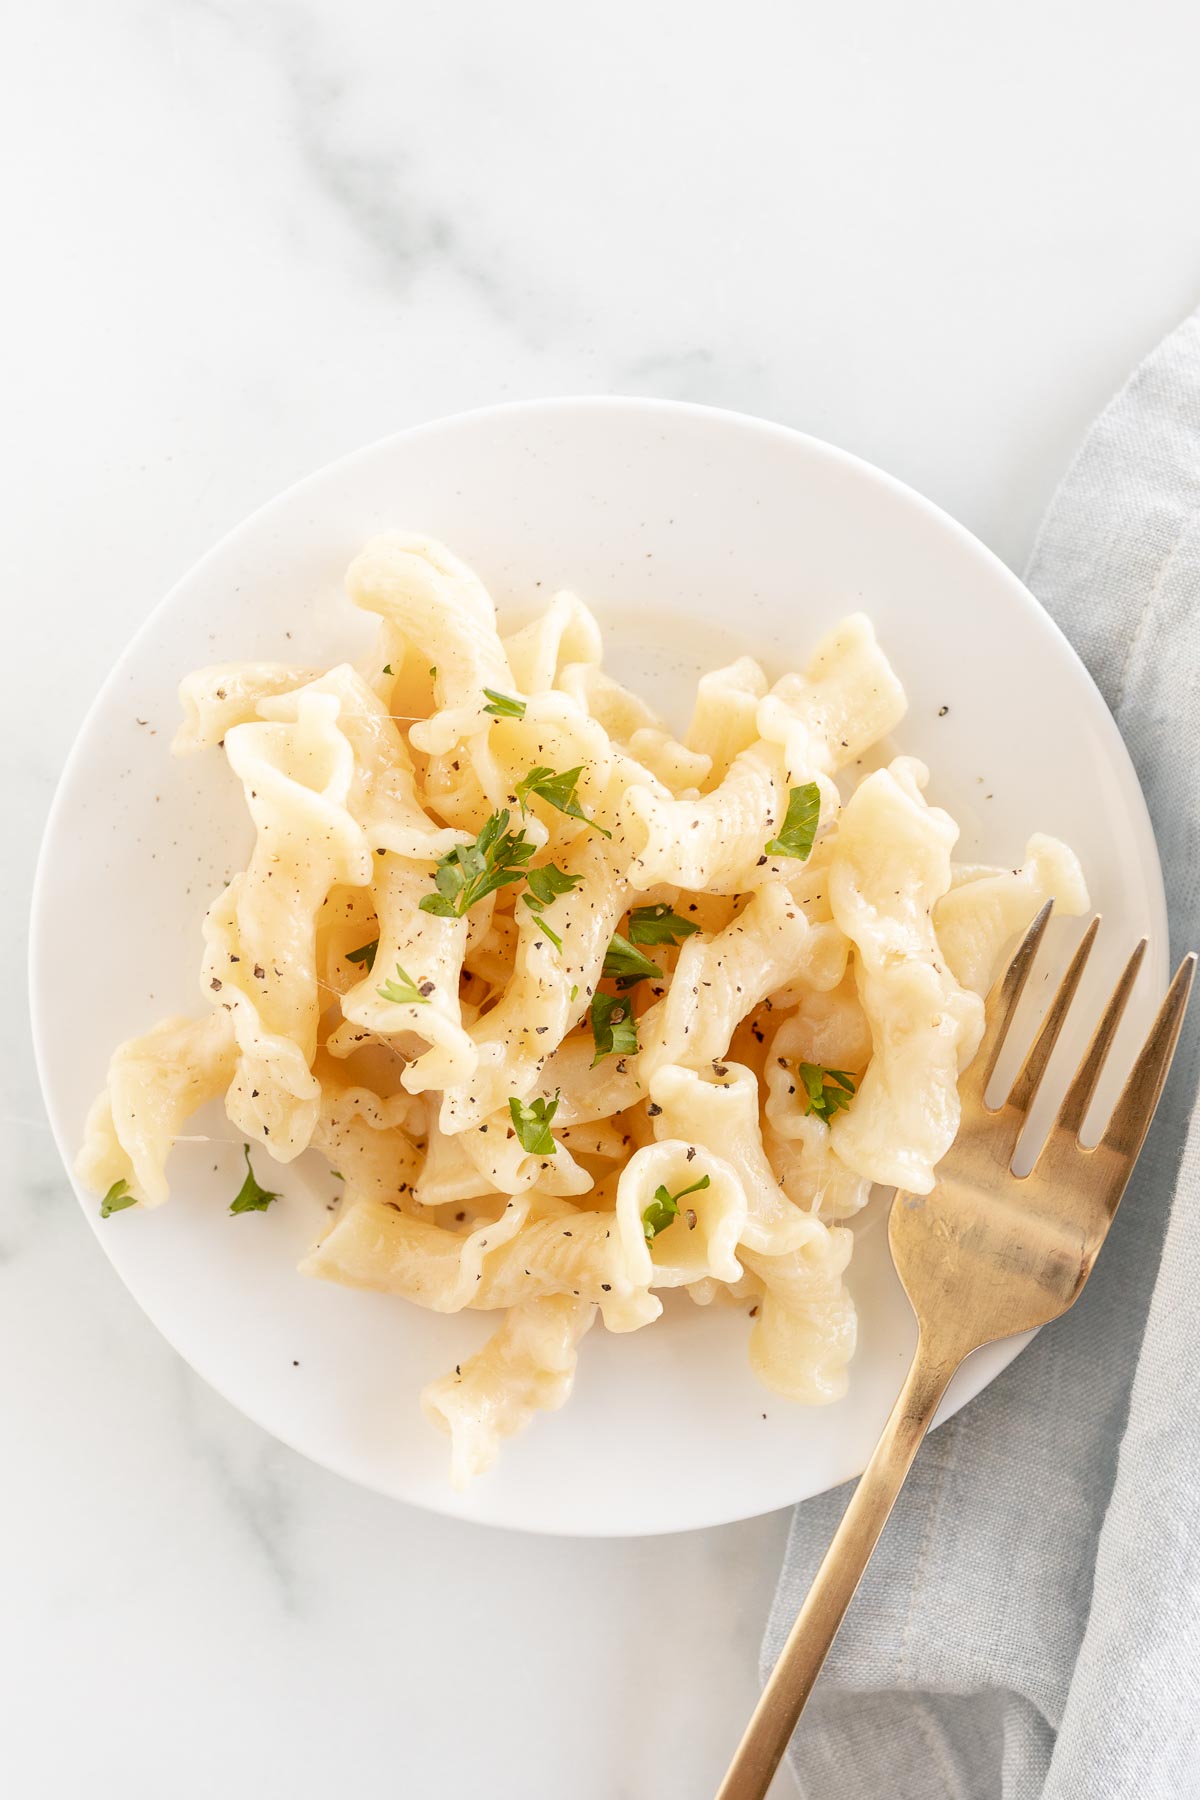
column 694, row 534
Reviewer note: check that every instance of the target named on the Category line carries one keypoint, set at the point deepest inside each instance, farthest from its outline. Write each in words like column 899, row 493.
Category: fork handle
column 791, row 1681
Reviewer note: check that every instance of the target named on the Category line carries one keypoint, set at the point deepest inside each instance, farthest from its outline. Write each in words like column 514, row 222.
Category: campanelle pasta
column 580, row 1012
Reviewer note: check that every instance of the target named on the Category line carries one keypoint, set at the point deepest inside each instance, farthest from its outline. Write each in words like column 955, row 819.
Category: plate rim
column 979, row 1369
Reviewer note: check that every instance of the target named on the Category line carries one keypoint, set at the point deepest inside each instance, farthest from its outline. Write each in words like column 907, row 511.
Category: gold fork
column 986, row 1255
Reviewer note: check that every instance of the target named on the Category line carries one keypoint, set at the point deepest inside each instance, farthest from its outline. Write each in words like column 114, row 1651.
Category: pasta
column 578, row 1011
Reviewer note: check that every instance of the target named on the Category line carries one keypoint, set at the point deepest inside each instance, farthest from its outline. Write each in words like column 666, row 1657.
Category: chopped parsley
column 465, row 874
column 404, row 991
column 547, row 931
column 250, row 1196
column 663, row 1210
column 364, row 954
column 545, row 885
column 557, row 791
column 503, row 706
column 798, row 832
column 387, row 669
column 531, row 1122
column 658, row 925
column 626, row 965
column 827, row 1091
column 614, row 1028
column 117, row 1199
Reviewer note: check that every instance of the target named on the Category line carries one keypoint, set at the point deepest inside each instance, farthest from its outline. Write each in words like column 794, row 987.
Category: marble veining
column 249, row 238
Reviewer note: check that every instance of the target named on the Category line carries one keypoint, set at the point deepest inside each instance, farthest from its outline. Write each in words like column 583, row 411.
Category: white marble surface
column 248, row 238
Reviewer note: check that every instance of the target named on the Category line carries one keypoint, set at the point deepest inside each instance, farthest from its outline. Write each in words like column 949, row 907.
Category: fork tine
column 1078, row 1096
column 1002, row 1004
column 1024, row 1088
column 1134, row 1110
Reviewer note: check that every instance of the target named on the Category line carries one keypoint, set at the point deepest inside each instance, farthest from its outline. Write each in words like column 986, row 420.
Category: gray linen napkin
column 1030, row 1624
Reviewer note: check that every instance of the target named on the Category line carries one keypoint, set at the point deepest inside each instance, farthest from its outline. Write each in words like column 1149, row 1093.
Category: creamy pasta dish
column 578, row 1011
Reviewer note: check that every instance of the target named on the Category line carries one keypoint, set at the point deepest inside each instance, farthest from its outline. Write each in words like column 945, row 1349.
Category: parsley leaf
column 469, row 871
column 658, row 925
column 663, row 1210
column 547, row 931
column 251, row 1197
column 827, row 1091
column 404, row 990
column 504, row 706
column 614, row 1028
column 531, row 1122
column 627, row 965
column 364, row 954
column 117, row 1199
column 557, row 791
column 387, row 669
column 545, row 885
column 799, row 829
